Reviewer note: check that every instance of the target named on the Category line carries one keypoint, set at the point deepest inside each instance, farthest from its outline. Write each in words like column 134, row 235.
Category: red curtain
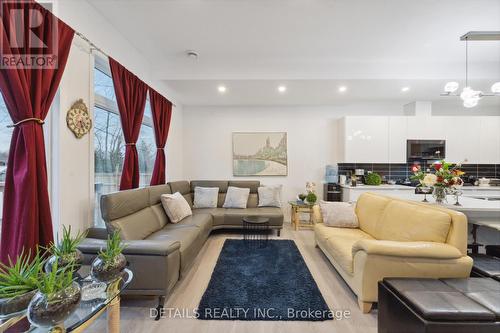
column 161, row 108
column 131, row 98
column 28, row 90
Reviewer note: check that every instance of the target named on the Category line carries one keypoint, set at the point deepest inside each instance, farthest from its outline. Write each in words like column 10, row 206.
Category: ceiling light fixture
column 469, row 96
column 405, row 89
column 221, row 89
column 342, row 89
column 282, row 89
column 192, row 54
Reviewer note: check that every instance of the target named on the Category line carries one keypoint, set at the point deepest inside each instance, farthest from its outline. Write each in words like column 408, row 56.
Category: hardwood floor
column 135, row 313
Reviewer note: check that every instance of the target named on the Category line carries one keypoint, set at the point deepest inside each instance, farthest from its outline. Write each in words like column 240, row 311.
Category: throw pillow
column 269, row 196
column 176, row 206
column 338, row 214
column 236, row 197
column 205, row 197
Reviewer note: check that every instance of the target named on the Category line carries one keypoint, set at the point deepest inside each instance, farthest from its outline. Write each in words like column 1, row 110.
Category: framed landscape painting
column 260, row 154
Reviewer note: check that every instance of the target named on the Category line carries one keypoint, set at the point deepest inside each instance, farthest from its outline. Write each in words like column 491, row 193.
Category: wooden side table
column 299, row 208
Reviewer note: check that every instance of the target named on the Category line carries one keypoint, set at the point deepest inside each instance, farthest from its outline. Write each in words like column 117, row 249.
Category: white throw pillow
column 270, row 196
column 205, row 197
column 236, row 197
column 176, row 206
column 338, row 214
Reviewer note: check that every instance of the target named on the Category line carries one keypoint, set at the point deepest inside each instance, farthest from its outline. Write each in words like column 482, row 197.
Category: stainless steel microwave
column 425, row 149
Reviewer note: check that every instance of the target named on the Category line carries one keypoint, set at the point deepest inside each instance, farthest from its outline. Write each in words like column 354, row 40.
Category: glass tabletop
column 95, row 297
column 298, row 203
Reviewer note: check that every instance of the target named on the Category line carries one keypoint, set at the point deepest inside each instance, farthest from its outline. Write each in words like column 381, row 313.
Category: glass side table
column 97, row 298
column 300, row 207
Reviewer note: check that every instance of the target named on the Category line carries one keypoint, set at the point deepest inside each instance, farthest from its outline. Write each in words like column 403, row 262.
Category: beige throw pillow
column 205, row 197
column 236, row 197
column 338, row 214
column 176, row 206
column 270, row 196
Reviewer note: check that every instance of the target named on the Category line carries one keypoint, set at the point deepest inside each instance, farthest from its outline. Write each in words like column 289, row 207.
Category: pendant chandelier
column 469, row 96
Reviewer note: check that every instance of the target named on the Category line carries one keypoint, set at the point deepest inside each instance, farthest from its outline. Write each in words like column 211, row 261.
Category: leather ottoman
column 439, row 306
column 493, row 250
column 485, row 266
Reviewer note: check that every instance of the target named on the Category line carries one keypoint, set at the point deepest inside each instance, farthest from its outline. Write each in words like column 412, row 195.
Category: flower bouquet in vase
column 442, row 177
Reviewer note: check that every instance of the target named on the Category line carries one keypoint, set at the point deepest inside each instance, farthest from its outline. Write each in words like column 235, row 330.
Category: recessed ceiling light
column 221, row 89
column 342, row 89
column 282, row 89
column 405, row 89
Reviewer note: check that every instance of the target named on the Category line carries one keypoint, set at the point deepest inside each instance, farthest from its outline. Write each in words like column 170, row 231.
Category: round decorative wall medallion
column 78, row 119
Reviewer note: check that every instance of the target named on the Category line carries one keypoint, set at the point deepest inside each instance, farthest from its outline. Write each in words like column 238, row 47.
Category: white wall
column 312, row 140
column 71, row 159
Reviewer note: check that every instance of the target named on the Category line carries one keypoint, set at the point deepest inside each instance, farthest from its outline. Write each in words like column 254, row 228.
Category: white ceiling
column 373, row 46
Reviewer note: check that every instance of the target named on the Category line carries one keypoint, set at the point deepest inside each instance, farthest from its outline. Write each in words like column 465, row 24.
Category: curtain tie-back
column 160, row 147
column 130, row 144
column 37, row 120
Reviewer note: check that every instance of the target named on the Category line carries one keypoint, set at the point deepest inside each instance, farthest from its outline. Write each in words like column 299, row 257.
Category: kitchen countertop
column 412, row 188
column 470, row 202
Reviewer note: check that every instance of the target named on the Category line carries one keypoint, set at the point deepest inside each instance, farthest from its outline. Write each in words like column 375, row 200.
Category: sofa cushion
column 269, row 196
column 192, row 237
column 138, row 225
column 155, row 193
column 220, row 184
column 176, row 207
column 338, row 214
column 324, row 232
column 253, row 200
column 205, row 197
column 253, row 185
column 369, row 209
column 203, row 221
column 340, row 248
column 216, row 213
column 123, row 203
column 406, row 221
column 236, row 197
column 183, row 188
column 234, row 216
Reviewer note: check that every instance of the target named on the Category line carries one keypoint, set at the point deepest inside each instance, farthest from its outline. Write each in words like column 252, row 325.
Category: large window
column 5, row 136
column 109, row 143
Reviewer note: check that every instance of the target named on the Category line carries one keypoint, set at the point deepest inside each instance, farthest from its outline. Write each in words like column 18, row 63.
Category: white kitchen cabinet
column 379, row 139
column 462, row 139
column 489, row 140
column 427, row 128
column 398, row 133
column 366, row 139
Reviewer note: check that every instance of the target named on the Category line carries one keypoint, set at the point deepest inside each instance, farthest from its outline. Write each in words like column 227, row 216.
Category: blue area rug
column 269, row 283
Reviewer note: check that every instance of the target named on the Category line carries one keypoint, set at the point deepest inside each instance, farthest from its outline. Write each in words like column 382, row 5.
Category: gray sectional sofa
column 159, row 252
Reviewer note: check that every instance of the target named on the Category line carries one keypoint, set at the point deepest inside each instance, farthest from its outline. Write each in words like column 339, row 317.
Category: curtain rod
column 95, row 47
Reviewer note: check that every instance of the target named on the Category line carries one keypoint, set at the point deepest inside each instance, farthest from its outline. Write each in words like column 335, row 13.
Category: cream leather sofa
column 396, row 238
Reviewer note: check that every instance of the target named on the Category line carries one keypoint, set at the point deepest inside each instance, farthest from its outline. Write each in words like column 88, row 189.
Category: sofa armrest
column 431, row 250
column 99, row 233
column 139, row 247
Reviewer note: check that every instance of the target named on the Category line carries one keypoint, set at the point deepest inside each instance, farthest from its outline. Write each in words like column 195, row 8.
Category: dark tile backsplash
column 400, row 171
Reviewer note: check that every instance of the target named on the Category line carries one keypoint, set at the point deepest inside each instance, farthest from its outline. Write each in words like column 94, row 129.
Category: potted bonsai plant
column 110, row 262
column 57, row 297
column 66, row 252
column 18, row 283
